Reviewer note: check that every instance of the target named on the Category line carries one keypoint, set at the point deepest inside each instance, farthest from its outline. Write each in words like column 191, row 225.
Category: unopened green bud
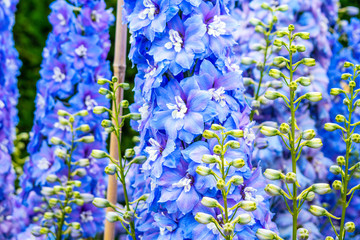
column 340, row 118
column 293, row 49
column 265, row 6
column 340, row 160
column 216, row 127
column 124, row 103
column 102, row 81
column 68, row 209
column 290, row 177
column 282, row 8
column 317, row 211
column 217, row 149
column 125, row 86
column 265, row 234
column 98, row 154
column 314, row 143
column 313, row 96
column 47, row 191
column 331, row 127
column 352, row 84
column 114, row 79
column 291, row 28
column 79, row 202
column 56, row 141
column 113, row 217
column 275, row 73
column 321, row 188
column 220, row 184
column 53, row 202
column 335, row 169
column 280, row 34
column 83, row 162
column 52, row 178
column 58, row 189
column 135, row 116
column 103, row 91
column 357, row 103
column 284, row 128
column 86, row 139
column 75, row 225
column 329, row 238
column 309, row 62
column 303, row 233
column 310, row 196
column 128, row 216
column 304, row 81
column 44, row 230
column 203, row 171
column 336, row 185
column 256, row 47
column 272, row 95
column 48, row 215
column 263, row 100
column 293, row 86
column 259, row 29
column 100, row 110
column 228, row 229
column 273, row 174
column 273, row 190
column 279, row 60
column 204, row 218
column 247, row 61
column 139, row 160
column 248, row 205
column 355, row 138
column 209, row 134
column 350, row 227
column 129, row 153
column 336, row 91
column 81, row 172
column 110, row 169
column 236, row 133
column 209, row 159
column 269, row 131
column 238, row 163
column 236, row 180
column 77, row 183
column 346, row 102
column 209, row 202
column 233, row 144
column 63, row 113
column 303, row 35
column 242, row 219
column 345, row 76
column 84, row 128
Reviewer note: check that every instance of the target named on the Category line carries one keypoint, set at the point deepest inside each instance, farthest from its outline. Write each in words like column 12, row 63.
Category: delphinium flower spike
column 344, row 167
column 229, row 214
column 120, row 167
column 293, row 138
column 63, row 193
column 267, row 32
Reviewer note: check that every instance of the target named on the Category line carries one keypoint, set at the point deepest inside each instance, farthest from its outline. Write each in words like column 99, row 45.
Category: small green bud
column 124, row 103
column 265, row 6
column 103, row 91
column 209, row 202
column 336, row 91
column 340, row 160
column 114, row 79
column 345, row 76
column 129, row 153
column 233, row 144
column 314, row 143
column 110, row 169
column 209, row 159
column 321, row 188
column 272, row 95
column 83, row 113
column 242, row 219
column 236, row 180
column 68, row 209
column 269, row 131
column 357, row 103
column 56, row 141
column 348, row 64
column 48, row 215
column 83, row 162
column 355, row 138
column 84, row 128
column 204, row 218
column 310, row 62
column 99, row 154
column 102, row 81
column 101, row 203
column 352, row 84
column 273, row 174
column 331, row 127
column 276, row 84
column 209, row 134
column 350, row 227
column 135, row 116
column 259, row 29
column 238, row 163
column 279, row 60
column 293, row 49
column 75, row 225
column 220, row 184
column 284, row 128
column 303, row 233
column 203, row 171
column 77, row 183
column 273, row 190
column 51, row 178
column 53, row 202
column 247, row 61
column 139, row 160
column 63, row 113
column 81, row 172
column 228, row 229
column 44, row 230
column 282, row 8
column 336, row 185
column 256, row 47
column 290, row 177
column 255, row 104
column 128, row 216
column 329, row 238
column 291, row 28
column 255, row 21
column 264, row 234
column 346, row 102
column 217, row 149
column 275, row 73
column 340, row 118
column 113, row 217
column 303, row 35
column 313, row 96
column 304, row 81
column 79, row 202
column 47, row 191
column 248, row 205
column 106, row 123
column 317, row 211
column 310, row 196
column 335, row 169
column 293, row 86
column 216, row 127
column 280, row 34
column 236, row 133
column 125, row 86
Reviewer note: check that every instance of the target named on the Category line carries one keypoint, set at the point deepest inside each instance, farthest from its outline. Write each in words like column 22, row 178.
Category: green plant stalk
column 262, row 71
column 121, row 166
column 295, row 209
column 344, row 190
column 223, row 192
column 66, row 202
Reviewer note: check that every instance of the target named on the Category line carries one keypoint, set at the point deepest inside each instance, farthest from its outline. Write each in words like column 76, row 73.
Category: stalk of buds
column 266, row 30
column 293, row 138
column 62, row 195
column 343, row 166
column 230, row 215
column 120, row 167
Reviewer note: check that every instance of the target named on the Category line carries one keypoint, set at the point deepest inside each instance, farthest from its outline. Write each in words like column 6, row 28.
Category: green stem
column 121, row 166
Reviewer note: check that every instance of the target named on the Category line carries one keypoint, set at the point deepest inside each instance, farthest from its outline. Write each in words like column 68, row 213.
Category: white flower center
column 86, row 216
column 183, row 183
column 218, row 95
column 150, row 72
column 249, row 136
column 144, row 112
column 81, row 51
column 61, row 19
column 149, row 11
column 58, row 76
column 95, row 16
column 250, row 195
column 43, row 164
column 62, row 127
column 179, row 108
column 213, row 228
column 90, row 103
column 153, row 150
column 176, row 41
column 217, row 27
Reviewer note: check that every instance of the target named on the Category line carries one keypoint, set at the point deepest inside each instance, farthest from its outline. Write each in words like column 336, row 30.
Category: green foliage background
column 30, row 32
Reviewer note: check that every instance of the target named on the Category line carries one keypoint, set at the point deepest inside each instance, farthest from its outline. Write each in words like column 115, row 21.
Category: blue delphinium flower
column 9, row 71
column 73, row 60
column 186, row 82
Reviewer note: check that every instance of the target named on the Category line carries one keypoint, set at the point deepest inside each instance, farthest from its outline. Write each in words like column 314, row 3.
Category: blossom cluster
column 188, row 78
column 9, row 70
column 73, row 59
